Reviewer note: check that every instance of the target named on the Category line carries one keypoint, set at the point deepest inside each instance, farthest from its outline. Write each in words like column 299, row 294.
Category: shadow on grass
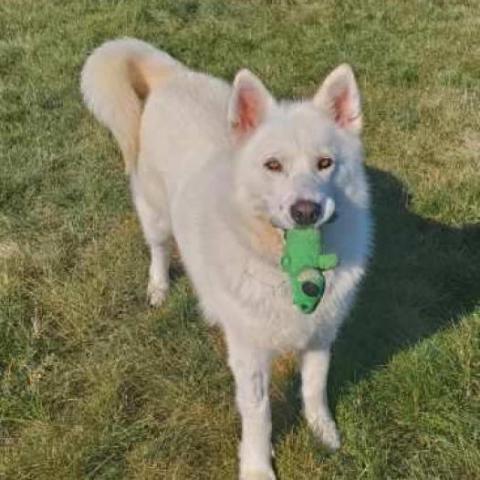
column 424, row 276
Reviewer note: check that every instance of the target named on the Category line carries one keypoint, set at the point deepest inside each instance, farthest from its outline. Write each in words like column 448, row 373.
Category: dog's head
column 295, row 160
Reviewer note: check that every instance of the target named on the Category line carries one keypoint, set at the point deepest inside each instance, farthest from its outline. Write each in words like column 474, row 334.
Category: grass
column 96, row 385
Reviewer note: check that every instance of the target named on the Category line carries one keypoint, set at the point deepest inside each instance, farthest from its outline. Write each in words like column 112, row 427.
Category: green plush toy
column 304, row 263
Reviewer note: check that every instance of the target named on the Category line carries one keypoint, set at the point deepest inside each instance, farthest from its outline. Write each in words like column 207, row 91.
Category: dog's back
column 139, row 93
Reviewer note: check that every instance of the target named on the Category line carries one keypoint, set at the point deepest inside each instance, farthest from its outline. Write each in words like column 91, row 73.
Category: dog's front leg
column 315, row 363
column 251, row 369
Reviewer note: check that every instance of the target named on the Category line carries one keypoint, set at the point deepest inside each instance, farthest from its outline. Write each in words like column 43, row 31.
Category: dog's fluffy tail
column 116, row 79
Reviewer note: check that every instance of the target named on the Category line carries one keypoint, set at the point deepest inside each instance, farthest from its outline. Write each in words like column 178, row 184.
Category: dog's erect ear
column 249, row 104
column 340, row 98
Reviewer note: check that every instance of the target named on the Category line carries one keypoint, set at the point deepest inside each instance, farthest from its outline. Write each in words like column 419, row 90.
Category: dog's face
column 293, row 158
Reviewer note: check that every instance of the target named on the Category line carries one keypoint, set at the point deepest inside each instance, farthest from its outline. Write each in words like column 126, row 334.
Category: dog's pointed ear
column 339, row 97
column 249, row 105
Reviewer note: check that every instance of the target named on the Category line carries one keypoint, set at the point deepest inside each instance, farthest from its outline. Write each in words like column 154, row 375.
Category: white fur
column 199, row 175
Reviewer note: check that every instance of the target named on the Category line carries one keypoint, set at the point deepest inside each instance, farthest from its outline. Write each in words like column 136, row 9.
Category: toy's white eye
column 309, row 275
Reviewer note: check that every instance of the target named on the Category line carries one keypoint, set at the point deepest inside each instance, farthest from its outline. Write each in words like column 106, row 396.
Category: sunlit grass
column 94, row 384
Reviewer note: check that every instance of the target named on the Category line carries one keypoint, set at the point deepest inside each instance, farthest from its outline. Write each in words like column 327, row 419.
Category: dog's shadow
column 424, row 276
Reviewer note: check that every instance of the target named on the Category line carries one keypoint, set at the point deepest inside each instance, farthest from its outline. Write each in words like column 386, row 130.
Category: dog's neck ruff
column 266, row 239
column 260, row 237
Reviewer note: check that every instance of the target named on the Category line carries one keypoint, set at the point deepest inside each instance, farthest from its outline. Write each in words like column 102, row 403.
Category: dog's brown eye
column 324, row 163
column 273, row 165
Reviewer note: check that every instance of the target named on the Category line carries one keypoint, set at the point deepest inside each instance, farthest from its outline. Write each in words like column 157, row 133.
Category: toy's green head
column 308, row 288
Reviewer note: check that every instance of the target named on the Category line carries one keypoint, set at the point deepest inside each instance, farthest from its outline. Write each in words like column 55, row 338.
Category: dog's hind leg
column 251, row 369
column 157, row 231
column 315, row 364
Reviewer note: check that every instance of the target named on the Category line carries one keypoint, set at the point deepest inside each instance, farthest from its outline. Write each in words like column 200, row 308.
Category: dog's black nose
column 305, row 212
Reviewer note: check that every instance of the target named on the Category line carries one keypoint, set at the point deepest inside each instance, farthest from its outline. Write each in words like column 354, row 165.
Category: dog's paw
column 326, row 431
column 258, row 475
column 156, row 293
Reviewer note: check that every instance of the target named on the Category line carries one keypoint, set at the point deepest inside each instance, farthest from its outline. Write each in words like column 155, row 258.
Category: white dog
column 224, row 170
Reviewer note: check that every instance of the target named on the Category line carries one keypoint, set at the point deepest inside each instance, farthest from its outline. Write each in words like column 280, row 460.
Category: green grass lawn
column 96, row 385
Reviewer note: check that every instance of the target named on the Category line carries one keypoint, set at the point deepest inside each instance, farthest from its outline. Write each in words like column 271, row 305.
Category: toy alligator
column 304, row 263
